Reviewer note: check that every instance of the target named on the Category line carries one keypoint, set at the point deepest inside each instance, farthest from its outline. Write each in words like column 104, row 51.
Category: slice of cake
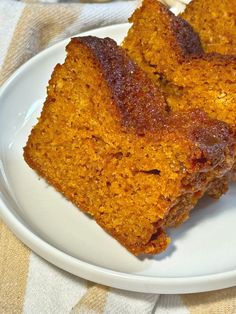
column 215, row 22
column 106, row 140
column 159, row 41
column 170, row 52
column 168, row 49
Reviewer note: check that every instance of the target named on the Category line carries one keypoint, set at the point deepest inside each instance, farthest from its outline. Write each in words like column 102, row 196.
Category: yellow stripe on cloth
column 215, row 302
column 34, row 30
column 37, row 26
column 93, row 301
column 14, row 260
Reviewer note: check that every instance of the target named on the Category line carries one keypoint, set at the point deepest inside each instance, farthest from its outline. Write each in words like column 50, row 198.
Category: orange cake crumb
column 106, row 140
column 215, row 22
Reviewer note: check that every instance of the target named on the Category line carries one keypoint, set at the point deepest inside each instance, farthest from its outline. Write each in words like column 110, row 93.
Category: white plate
column 202, row 255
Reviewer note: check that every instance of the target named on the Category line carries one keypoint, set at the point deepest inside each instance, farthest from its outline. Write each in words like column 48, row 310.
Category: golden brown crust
column 128, row 85
column 187, row 39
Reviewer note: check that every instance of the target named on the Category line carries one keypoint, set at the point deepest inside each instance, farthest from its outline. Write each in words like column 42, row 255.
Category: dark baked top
column 141, row 104
column 187, row 38
column 143, row 107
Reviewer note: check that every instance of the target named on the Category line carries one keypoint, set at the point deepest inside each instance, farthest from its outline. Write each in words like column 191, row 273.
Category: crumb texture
column 215, row 22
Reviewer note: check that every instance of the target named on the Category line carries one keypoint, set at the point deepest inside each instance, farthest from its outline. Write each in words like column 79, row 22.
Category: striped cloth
column 29, row 284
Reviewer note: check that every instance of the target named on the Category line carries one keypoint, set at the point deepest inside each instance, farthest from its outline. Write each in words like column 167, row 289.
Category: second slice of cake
column 166, row 47
column 106, row 140
column 215, row 22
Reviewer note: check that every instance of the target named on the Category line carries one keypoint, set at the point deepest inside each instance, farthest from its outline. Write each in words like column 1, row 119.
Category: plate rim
column 86, row 270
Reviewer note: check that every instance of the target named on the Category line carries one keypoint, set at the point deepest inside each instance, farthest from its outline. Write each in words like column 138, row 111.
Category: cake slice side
column 189, row 77
column 159, row 41
column 215, row 22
